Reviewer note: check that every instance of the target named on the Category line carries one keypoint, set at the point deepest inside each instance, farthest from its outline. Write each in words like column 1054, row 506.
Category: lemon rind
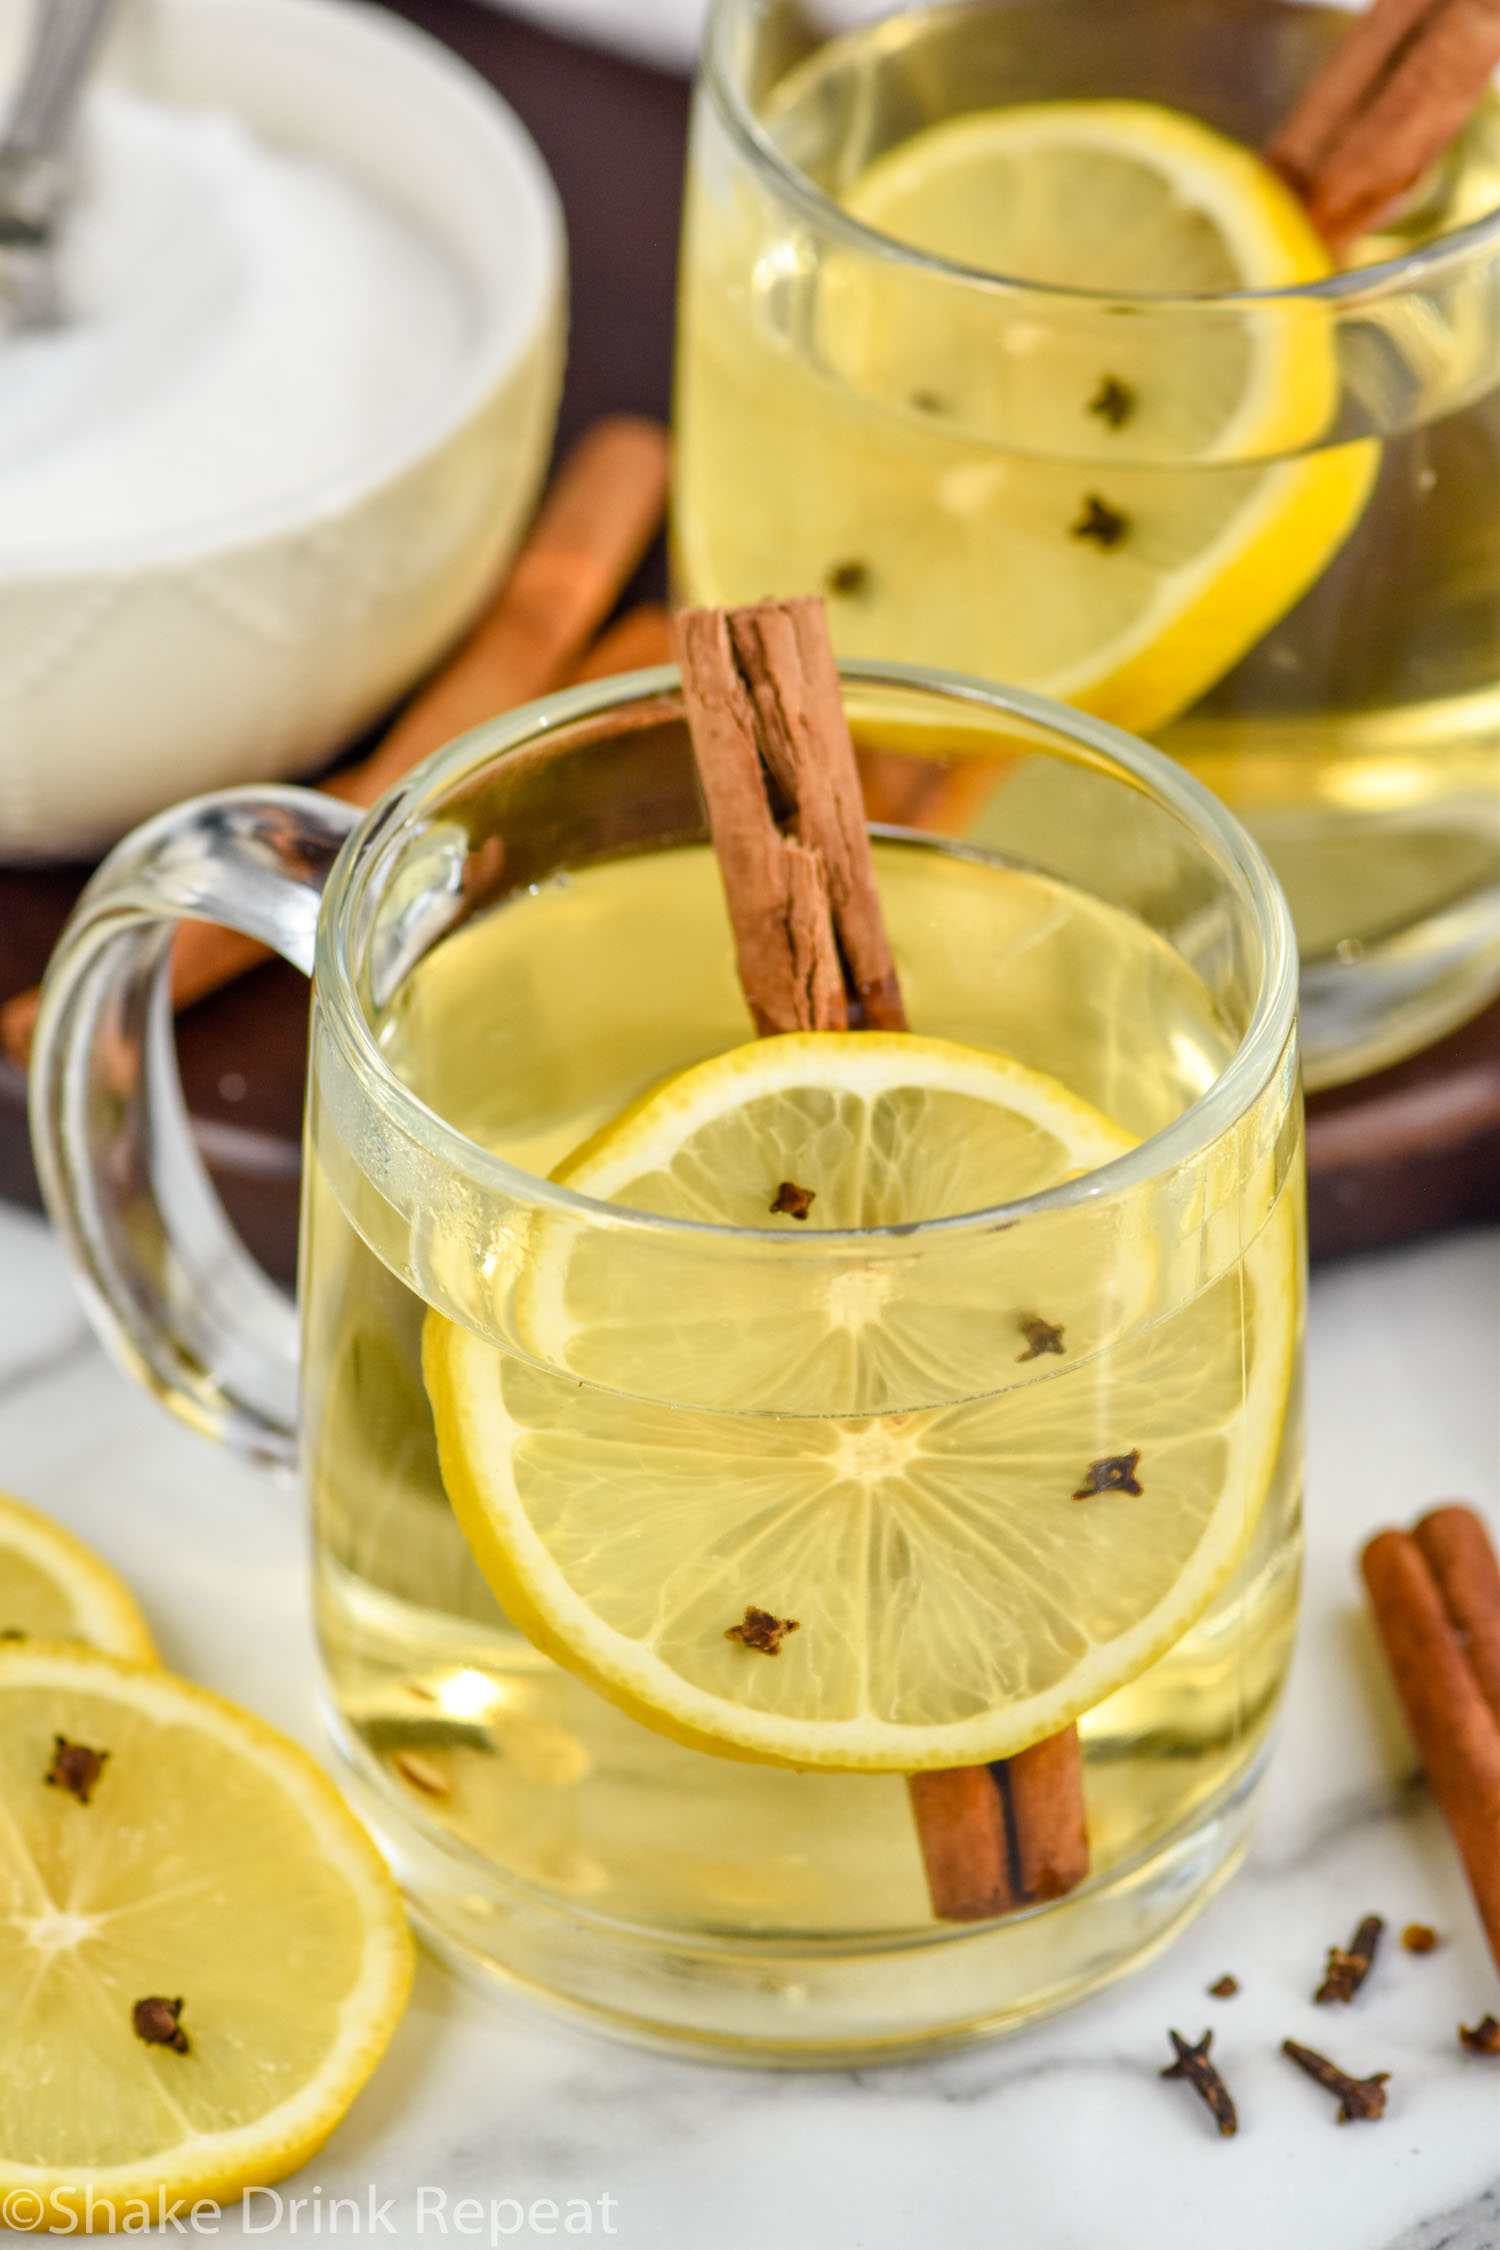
column 108, row 1615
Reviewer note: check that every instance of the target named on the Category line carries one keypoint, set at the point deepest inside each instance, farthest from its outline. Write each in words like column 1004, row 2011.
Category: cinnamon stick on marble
column 777, row 769
column 1399, row 86
column 599, row 517
column 1435, row 1595
column 1456, row 1549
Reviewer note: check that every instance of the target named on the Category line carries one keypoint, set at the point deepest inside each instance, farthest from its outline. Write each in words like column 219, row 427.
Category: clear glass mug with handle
column 1008, row 1467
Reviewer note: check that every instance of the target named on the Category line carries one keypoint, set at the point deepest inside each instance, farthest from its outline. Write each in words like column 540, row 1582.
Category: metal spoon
column 36, row 177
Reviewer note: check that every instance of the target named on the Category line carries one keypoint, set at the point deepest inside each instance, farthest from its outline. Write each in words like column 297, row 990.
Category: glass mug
column 970, row 467
column 516, row 942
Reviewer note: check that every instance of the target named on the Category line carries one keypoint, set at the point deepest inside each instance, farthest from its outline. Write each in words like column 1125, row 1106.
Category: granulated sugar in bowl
column 293, row 425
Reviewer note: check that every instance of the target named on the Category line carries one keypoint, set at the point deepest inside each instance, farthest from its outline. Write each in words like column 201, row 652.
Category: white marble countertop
column 1060, row 2139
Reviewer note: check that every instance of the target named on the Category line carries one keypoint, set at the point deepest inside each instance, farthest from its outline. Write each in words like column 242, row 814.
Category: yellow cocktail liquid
column 527, row 1029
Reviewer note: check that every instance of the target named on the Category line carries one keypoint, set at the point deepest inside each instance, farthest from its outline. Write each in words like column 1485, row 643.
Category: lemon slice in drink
column 1112, row 511
column 204, row 1860
column 54, row 1588
column 954, row 1597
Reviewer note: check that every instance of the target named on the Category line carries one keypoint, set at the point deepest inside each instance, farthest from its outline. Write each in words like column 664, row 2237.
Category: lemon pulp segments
column 212, row 1861
column 954, row 1598
column 946, row 437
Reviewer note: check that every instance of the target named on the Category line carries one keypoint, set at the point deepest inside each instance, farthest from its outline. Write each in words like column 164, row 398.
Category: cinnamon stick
column 1396, row 90
column 960, row 1822
column 786, row 659
column 1006, row 1835
column 781, row 789
column 1044, row 1785
column 1457, row 1550
column 595, row 524
column 1431, row 1647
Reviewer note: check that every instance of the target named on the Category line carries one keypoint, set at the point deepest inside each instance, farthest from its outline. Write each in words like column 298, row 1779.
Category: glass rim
column 716, row 73
column 1243, row 1077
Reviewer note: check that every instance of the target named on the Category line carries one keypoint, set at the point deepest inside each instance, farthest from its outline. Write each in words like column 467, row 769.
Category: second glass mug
column 972, row 467
column 513, row 945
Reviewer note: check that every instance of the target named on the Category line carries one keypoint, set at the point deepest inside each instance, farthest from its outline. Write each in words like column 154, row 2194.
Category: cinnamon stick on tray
column 1435, row 1594
column 1396, row 90
column 604, row 508
column 777, row 768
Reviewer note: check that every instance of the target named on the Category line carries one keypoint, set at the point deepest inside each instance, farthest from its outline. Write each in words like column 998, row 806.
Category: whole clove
column 75, row 1768
column 760, row 1630
column 1193, row 2064
column 847, row 578
column 1099, row 522
column 1347, row 1968
column 792, row 1201
column 1041, row 1336
column 1115, row 1473
column 155, row 2021
column 1358, row 2097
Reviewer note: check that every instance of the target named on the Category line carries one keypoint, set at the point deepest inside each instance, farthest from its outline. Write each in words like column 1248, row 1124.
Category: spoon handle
column 63, row 41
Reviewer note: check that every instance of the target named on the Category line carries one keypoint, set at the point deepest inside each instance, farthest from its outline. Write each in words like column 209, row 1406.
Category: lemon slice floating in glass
column 965, row 1577
column 180, row 1852
column 1110, row 509
column 54, row 1588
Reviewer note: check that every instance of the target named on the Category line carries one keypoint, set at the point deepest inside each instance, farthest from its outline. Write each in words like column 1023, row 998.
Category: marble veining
column 1064, row 2138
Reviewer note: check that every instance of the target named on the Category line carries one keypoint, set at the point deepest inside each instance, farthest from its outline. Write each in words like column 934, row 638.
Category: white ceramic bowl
column 255, row 646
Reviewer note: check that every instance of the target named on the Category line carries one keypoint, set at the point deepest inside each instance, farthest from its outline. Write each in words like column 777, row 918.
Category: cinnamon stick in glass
column 766, row 714
column 599, row 517
column 1439, row 1624
column 1399, row 86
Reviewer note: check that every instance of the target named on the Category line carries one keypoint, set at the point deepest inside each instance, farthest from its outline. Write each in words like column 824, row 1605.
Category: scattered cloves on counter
column 1193, row 2064
column 1358, row 2097
column 1347, row 1968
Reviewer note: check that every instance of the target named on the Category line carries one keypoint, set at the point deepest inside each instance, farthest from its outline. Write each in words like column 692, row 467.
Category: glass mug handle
column 174, row 1294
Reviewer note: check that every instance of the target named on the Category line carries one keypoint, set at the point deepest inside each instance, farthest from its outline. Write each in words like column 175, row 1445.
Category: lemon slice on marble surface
column 942, row 1585
column 54, row 1588
column 160, row 1847
column 988, row 485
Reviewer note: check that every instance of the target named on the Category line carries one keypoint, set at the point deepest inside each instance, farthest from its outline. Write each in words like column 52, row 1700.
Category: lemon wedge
column 160, row 1847
column 985, row 482
column 951, row 1580
column 54, row 1588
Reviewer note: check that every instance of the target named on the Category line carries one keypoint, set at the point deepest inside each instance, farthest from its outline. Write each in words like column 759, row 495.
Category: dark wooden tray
column 1407, row 1153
